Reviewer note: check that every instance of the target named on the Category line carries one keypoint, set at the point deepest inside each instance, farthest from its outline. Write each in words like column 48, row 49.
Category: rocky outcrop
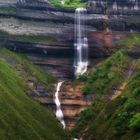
column 115, row 15
column 115, row 6
column 58, row 57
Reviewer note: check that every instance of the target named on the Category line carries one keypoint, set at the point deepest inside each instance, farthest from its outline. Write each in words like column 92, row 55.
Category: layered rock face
column 116, row 15
column 72, row 102
column 116, row 6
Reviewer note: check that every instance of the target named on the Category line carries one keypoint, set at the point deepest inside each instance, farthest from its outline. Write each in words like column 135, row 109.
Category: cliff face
column 116, row 15
column 58, row 56
column 112, row 6
column 37, row 17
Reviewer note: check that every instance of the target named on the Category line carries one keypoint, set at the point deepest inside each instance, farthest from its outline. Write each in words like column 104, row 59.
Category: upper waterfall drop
column 81, row 42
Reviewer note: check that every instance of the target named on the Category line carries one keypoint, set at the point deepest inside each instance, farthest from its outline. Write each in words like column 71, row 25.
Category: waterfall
column 81, row 42
column 59, row 113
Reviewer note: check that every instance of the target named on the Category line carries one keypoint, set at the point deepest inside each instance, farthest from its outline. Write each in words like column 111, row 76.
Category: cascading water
column 81, row 57
column 81, row 42
column 59, row 113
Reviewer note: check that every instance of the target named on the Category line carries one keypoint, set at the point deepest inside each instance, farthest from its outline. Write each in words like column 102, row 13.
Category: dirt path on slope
column 119, row 90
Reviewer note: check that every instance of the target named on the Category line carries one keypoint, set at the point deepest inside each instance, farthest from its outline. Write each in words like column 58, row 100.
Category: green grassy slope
column 112, row 119
column 26, row 69
column 21, row 118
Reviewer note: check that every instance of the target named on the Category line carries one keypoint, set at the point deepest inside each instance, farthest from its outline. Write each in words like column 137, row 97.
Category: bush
column 86, row 90
column 135, row 121
column 131, row 104
column 136, row 92
column 69, row 3
column 107, row 75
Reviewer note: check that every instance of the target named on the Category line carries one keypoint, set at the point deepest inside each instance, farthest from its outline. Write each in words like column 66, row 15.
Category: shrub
column 135, row 121
column 136, row 92
column 131, row 104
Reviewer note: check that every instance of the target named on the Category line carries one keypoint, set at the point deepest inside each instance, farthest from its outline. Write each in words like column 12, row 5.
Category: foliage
column 131, row 41
column 108, row 74
column 29, row 69
column 112, row 119
column 135, row 121
column 136, row 92
column 69, row 3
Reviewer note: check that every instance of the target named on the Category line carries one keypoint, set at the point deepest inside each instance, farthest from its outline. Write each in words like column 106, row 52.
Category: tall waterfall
column 81, row 42
column 59, row 113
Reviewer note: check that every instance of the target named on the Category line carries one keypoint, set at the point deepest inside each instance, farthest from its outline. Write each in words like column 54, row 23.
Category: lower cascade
column 81, row 42
column 59, row 113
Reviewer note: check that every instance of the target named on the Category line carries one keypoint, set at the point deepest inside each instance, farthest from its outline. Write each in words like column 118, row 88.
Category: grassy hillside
column 114, row 113
column 21, row 118
column 25, row 69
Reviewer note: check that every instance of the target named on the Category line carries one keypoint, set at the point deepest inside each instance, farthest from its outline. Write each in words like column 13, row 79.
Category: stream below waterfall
column 59, row 113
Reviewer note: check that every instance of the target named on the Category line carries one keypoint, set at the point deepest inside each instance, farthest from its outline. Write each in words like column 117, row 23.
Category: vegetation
column 68, row 3
column 135, row 122
column 20, row 62
column 109, row 118
column 107, row 75
column 21, row 118
column 131, row 41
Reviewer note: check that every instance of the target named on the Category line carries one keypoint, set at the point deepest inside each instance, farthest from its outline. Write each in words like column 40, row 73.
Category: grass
column 69, row 3
column 18, row 61
column 21, row 118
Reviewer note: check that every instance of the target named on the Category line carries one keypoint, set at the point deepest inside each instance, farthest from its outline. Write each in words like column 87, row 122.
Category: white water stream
column 59, row 113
